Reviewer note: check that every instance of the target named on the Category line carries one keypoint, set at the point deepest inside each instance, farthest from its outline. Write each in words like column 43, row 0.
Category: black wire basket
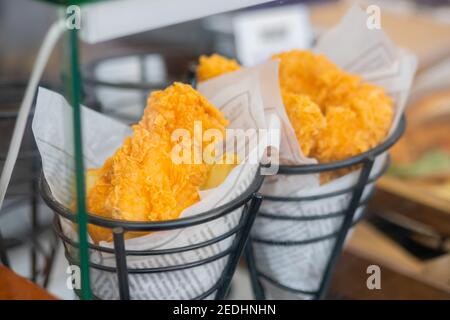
column 24, row 180
column 111, row 89
column 22, row 199
column 226, row 248
column 359, row 193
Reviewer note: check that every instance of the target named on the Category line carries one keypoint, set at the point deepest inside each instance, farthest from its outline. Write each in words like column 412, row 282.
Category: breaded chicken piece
column 306, row 119
column 335, row 115
column 140, row 182
column 303, row 113
column 215, row 65
column 303, row 72
column 358, row 115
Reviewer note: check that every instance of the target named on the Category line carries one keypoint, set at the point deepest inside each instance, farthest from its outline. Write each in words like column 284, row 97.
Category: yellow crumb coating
column 141, row 182
column 306, row 119
column 335, row 115
column 337, row 139
column 303, row 72
column 358, row 115
column 215, row 65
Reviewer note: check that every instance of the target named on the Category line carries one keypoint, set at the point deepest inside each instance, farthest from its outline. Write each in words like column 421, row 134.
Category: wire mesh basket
column 200, row 269
column 278, row 263
column 22, row 214
column 23, row 184
column 119, row 85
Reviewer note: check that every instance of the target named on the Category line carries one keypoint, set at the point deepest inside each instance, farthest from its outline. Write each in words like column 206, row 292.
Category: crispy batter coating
column 215, row 65
column 358, row 115
column 303, row 72
column 306, row 119
column 335, row 115
column 140, row 182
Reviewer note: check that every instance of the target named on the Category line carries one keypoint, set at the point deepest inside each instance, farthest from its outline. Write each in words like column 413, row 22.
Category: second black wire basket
column 294, row 246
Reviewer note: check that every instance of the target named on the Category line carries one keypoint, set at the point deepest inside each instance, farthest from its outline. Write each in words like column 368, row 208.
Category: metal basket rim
column 90, row 78
column 330, row 166
column 197, row 219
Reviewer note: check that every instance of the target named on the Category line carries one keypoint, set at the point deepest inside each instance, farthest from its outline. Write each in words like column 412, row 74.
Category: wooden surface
column 15, row 287
column 349, row 282
column 397, row 196
column 402, row 275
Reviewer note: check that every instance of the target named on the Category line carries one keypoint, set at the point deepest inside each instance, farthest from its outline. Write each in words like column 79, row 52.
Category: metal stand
column 365, row 162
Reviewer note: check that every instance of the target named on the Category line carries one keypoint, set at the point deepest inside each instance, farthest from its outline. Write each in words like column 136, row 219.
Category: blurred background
column 407, row 232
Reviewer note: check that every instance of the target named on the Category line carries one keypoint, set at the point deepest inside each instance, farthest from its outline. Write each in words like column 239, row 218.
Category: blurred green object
column 82, row 220
column 431, row 162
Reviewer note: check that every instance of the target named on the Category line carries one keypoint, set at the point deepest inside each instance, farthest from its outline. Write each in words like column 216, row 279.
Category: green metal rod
column 75, row 80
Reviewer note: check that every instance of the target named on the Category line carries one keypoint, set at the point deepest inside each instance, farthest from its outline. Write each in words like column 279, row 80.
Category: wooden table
column 403, row 276
column 15, row 287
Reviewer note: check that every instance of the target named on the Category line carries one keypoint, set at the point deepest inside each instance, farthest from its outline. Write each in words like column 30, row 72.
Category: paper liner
column 356, row 49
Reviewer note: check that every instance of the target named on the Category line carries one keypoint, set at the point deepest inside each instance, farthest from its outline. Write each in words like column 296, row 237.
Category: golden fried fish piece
column 335, row 115
column 215, row 65
column 141, row 182
column 358, row 115
column 306, row 119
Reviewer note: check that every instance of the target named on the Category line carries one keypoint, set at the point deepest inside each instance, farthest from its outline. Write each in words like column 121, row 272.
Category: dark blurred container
column 118, row 85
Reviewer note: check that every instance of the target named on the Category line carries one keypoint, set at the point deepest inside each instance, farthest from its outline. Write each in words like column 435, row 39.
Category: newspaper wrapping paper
column 356, row 49
column 241, row 101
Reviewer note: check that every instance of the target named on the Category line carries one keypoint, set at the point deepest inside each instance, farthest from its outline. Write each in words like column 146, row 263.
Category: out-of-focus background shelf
column 400, row 20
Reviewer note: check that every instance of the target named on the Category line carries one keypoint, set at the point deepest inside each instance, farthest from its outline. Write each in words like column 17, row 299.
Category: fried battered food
column 306, row 119
column 357, row 123
column 358, row 115
column 302, row 72
column 215, row 65
column 140, row 182
column 335, row 115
